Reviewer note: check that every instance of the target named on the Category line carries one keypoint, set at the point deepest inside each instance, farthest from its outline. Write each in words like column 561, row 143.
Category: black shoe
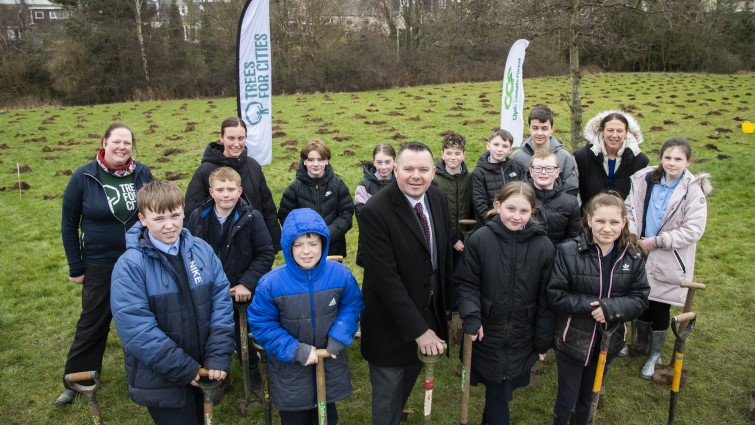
column 66, row 397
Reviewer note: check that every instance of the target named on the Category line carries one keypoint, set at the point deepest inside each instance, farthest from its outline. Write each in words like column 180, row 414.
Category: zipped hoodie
column 673, row 260
column 577, row 280
column 295, row 309
column 256, row 192
column 148, row 314
column 86, row 207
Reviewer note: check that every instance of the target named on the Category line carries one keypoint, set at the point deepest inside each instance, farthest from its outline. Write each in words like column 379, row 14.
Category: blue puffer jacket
column 85, row 207
column 296, row 309
column 147, row 312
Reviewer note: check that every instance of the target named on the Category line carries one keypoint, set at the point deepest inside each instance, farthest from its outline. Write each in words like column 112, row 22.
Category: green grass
column 39, row 308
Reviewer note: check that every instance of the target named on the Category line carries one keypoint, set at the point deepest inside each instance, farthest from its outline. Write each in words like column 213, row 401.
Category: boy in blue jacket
column 238, row 235
column 171, row 309
column 307, row 303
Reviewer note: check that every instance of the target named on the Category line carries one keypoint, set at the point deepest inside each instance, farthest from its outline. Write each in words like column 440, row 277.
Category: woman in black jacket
column 597, row 278
column 230, row 151
column 611, row 156
column 500, row 291
column 99, row 206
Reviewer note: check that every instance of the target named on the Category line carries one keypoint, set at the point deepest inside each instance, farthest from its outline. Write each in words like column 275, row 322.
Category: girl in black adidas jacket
column 597, row 279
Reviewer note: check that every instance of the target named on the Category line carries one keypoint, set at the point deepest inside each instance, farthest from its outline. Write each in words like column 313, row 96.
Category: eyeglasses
column 549, row 169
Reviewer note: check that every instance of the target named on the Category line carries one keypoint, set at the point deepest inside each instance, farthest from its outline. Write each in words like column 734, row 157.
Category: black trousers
column 94, row 323
column 575, row 382
column 192, row 412
column 658, row 314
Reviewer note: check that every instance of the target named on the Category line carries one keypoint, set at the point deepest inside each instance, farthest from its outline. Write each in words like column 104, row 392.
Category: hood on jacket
column 530, row 230
column 213, row 153
column 300, row 222
column 369, row 171
column 484, row 162
column 301, row 173
column 440, row 167
column 208, row 205
column 594, row 136
column 553, row 145
column 702, row 179
column 136, row 238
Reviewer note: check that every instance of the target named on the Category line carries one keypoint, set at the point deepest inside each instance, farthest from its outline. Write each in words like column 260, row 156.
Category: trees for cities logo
column 254, row 112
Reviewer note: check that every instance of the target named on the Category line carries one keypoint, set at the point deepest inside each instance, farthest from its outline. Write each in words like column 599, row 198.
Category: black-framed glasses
column 549, row 169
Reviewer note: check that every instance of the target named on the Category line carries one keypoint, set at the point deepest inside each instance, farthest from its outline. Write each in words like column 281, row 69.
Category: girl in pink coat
column 667, row 209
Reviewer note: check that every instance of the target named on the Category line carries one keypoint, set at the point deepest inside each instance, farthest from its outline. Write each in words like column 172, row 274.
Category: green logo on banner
column 508, row 89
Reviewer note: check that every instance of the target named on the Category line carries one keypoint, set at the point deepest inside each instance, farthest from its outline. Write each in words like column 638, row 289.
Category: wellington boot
column 657, row 338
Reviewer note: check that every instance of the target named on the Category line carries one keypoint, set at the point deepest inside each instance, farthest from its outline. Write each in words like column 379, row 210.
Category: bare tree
column 137, row 7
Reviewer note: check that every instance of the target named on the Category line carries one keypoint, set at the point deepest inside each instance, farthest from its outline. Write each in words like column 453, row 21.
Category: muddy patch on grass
column 174, row 175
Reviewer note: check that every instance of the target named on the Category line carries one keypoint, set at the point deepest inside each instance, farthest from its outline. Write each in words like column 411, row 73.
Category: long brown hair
column 611, row 198
column 674, row 142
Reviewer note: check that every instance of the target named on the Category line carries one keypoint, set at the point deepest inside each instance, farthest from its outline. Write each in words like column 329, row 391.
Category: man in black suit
column 404, row 235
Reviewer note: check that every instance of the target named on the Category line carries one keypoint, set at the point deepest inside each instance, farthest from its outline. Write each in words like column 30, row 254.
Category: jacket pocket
column 680, row 262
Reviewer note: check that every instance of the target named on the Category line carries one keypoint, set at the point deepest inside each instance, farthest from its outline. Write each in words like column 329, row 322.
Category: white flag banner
column 254, row 62
column 512, row 98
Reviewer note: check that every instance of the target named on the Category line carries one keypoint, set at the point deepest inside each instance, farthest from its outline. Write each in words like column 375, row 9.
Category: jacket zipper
column 312, row 308
column 510, row 307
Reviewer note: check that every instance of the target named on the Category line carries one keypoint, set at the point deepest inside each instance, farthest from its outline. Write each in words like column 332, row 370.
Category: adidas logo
column 332, row 302
column 328, row 193
column 625, row 267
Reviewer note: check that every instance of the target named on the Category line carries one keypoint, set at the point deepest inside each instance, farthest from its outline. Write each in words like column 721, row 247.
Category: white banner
column 254, row 97
column 512, row 98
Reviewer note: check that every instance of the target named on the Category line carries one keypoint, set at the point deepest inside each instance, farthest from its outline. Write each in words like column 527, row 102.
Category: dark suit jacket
column 397, row 272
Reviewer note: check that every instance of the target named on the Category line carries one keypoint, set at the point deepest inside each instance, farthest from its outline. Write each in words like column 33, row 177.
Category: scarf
column 124, row 170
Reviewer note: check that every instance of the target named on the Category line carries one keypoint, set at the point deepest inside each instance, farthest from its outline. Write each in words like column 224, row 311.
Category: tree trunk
column 140, row 37
column 576, row 79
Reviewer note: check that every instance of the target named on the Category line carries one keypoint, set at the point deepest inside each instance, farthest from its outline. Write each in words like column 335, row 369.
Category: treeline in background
column 101, row 51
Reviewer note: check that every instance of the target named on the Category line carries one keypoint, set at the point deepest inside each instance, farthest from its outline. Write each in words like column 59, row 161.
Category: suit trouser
column 391, row 387
column 92, row 329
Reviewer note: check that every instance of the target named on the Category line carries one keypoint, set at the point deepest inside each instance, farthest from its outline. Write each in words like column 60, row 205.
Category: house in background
column 18, row 16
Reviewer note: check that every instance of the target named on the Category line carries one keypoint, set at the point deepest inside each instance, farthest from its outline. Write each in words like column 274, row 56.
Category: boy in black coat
column 239, row 237
column 557, row 210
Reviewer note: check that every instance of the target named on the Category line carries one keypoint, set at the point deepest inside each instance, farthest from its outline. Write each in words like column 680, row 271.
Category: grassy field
column 39, row 308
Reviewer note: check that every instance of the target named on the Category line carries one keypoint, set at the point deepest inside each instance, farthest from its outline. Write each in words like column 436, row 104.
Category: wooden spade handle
column 685, row 317
column 693, row 285
column 81, row 376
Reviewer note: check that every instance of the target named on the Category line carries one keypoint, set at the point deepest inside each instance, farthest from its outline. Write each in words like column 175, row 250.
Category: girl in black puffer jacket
column 500, row 290
column 597, row 278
